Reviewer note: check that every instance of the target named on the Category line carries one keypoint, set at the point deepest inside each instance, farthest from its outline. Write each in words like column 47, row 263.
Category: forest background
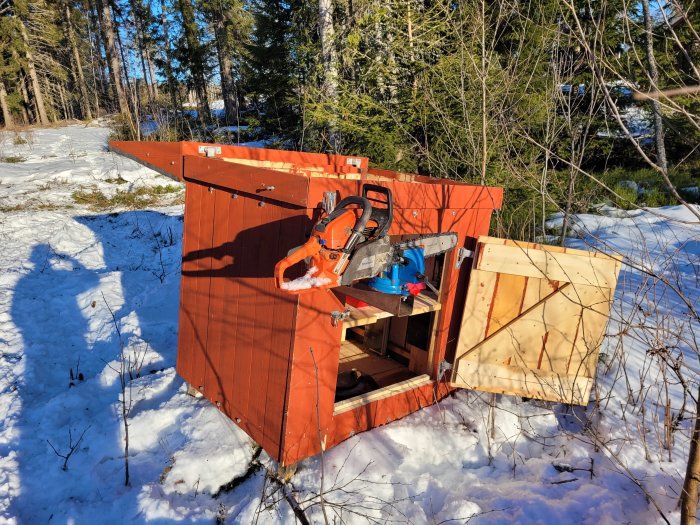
column 545, row 98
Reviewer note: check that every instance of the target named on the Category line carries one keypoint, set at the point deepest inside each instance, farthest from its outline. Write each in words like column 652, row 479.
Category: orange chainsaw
column 352, row 243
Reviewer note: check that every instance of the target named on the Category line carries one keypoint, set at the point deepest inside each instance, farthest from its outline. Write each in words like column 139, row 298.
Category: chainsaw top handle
column 342, row 208
column 382, row 216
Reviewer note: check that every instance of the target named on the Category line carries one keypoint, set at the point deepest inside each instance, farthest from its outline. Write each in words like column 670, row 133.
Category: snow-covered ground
column 83, row 291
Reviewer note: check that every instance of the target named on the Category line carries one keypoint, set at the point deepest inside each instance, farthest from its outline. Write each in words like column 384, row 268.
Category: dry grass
column 12, row 159
column 139, row 198
column 34, row 205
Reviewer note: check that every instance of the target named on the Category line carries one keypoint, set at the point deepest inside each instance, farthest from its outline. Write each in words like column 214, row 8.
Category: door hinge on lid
column 462, row 254
column 209, row 151
column 443, row 367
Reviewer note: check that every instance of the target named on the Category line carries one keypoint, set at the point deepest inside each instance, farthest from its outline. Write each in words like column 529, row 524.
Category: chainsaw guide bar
column 372, row 258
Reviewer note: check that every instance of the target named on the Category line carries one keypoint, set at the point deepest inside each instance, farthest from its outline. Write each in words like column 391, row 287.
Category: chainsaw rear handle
column 342, row 208
column 382, row 216
column 311, row 248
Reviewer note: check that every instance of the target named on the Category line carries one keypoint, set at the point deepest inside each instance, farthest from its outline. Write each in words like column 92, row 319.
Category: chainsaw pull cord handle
column 310, row 249
column 382, row 216
column 361, row 223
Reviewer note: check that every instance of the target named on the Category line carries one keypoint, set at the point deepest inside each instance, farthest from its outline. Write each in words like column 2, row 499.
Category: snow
column 306, row 281
column 83, row 292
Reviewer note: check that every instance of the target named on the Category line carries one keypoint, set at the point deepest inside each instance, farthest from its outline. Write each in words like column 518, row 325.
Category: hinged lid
column 534, row 319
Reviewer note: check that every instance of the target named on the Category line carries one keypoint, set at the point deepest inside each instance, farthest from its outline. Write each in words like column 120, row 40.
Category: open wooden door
column 534, row 319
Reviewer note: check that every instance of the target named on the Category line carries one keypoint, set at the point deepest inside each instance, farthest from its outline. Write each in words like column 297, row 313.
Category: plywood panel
column 529, row 319
column 554, row 266
column 514, row 380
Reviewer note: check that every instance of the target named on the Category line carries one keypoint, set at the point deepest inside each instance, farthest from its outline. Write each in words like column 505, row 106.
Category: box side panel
column 195, row 283
column 469, row 224
column 313, row 376
column 410, row 196
column 334, row 163
column 240, row 340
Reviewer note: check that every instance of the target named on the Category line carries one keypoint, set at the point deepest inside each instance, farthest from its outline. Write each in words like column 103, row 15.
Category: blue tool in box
column 404, row 276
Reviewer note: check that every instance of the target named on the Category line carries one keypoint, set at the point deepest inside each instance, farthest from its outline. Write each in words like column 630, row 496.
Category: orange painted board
column 313, row 374
column 336, row 163
column 163, row 157
column 263, row 183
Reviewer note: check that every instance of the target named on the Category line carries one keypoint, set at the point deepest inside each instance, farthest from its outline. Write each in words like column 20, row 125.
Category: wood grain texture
column 532, row 309
column 542, row 264
column 514, row 380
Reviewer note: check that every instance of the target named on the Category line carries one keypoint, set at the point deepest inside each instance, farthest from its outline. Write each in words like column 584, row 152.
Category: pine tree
column 275, row 69
column 193, row 55
column 231, row 24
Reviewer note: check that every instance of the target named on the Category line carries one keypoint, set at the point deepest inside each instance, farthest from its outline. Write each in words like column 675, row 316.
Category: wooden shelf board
column 364, row 315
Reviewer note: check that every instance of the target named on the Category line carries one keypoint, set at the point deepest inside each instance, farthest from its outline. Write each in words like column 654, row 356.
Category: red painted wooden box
column 270, row 360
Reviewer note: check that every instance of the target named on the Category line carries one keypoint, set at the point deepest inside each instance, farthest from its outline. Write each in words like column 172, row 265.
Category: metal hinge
column 462, row 254
column 339, row 316
column 209, row 151
column 443, row 368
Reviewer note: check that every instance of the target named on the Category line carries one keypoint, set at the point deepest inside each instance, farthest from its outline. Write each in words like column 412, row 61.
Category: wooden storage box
column 270, row 361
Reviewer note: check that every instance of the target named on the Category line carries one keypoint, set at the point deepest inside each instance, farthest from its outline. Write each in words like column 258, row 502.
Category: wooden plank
column 590, row 333
column 288, row 167
column 364, row 315
column 514, row 380
column 423, row 303
column 260, row 182
column 232, row 304
column 382, row 393
column 536, row 290
column 418, row 358
column 215, row 344
column 523, row 339
column 549, row 265
column 476, row 310
column 200, row 299
column 507, row 301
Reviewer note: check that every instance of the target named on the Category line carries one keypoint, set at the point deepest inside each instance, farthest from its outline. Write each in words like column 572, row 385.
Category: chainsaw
column 352, row 243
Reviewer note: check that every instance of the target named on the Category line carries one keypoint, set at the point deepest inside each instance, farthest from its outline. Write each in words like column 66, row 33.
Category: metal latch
column 209, row 151
column 339, row 316
column 328, row 203
column 462, row 254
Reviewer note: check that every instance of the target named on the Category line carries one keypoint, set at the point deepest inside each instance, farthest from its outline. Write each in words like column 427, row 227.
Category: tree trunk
column 78, row 75
column 113, row 62
column 228, row 85
column 96, row 63
column 330, row 64
column 654, row 79
column 25, row 98
column 144, row 71
column 195, row 60
column 169, row 77
column 6, row 114
column 152, row 73
column 42, row 117
column 689, row 496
